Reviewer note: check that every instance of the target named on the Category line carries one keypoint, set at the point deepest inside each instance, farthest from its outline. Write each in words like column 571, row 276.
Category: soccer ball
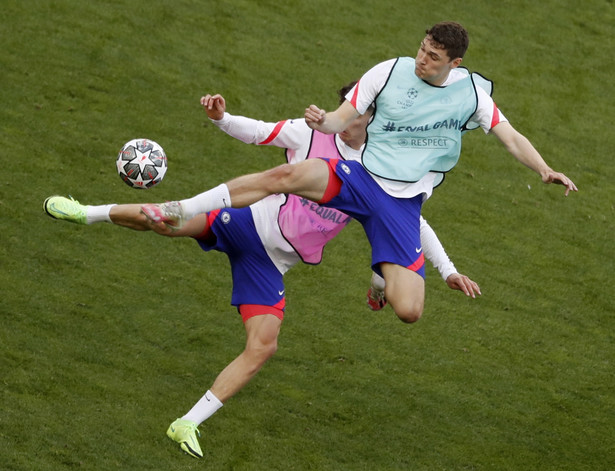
column 142, row 163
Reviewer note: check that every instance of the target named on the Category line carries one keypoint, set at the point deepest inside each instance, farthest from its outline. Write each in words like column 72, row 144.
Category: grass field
column 108, row 335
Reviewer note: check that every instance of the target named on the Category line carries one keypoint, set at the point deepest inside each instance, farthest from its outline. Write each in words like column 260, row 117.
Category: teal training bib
column 417, row 127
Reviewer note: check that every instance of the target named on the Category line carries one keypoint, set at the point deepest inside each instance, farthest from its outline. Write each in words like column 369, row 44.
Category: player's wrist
column 226, row 117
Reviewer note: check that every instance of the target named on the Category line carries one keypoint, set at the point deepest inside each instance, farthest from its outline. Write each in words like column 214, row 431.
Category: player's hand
column 161, row 228
column 463, row 283
column 214, row 105
column 314, row 116
column 551, row 176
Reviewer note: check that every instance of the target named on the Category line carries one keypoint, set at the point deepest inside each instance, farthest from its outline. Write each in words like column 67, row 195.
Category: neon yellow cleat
column 60, row 207
column 184, row 432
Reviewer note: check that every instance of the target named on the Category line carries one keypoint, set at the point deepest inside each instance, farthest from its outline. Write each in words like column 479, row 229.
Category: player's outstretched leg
column 184, row 432
column 308, row 179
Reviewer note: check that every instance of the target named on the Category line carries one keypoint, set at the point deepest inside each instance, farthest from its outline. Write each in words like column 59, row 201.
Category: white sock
column 216, row 198
column 98, row 213
column 377, row 282
column 204, row 409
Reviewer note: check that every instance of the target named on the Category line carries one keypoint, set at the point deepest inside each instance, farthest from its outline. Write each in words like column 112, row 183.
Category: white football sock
column 204, row 409
column 98, row 213
column 216, row 198
column 377, row 282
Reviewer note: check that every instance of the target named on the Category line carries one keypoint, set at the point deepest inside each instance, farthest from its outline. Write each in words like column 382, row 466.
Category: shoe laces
column 73, row 199
column 194, row 427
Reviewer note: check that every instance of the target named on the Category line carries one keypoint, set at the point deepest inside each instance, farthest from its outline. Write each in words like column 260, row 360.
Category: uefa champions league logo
column 407, row 101
column 413, row 94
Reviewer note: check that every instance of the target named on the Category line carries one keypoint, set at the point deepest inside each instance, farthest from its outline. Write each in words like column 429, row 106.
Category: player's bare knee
column 279, row 179
column 269, row 349
column 409, row 314
column 262, row 352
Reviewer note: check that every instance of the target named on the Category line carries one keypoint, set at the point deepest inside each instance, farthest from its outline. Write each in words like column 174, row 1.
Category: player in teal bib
column 417, row 127
column 422, row 108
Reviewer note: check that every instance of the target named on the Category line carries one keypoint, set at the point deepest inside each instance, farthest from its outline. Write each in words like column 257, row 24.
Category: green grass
column 108, row 335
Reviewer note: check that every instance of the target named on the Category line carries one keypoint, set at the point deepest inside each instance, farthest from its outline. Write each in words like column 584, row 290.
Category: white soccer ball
column 142, row 163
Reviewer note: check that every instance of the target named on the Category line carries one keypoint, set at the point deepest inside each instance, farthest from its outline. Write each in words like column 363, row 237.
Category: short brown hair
column 451, row 36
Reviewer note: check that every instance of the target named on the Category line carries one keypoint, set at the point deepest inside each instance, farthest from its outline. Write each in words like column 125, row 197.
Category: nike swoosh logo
column 419, row 250
column 172, row 429
column 281, row 293
column 53, row 207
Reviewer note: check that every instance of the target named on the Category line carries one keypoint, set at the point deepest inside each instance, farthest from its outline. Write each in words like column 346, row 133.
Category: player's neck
column 439, row 81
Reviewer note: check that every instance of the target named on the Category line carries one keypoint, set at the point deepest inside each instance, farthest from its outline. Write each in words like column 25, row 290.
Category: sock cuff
column 203, row 409
column 225, row 195
column 216, row 198
column 212, row 398
column 98, row 213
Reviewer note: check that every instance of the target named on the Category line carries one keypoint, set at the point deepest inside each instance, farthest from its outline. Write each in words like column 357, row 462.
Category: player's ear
column 456, row 63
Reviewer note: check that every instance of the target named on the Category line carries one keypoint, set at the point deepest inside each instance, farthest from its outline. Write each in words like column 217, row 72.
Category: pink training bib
column 306, row 225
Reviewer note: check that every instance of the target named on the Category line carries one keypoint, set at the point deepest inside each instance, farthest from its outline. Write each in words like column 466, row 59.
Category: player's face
column 432, row 63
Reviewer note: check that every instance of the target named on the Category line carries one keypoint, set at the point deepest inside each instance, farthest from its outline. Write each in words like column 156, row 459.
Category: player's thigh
column 309, row 179
column 404, row 288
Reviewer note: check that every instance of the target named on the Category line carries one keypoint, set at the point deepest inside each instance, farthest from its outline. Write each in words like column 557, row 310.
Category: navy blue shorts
column 392, row 225
column 256, row 280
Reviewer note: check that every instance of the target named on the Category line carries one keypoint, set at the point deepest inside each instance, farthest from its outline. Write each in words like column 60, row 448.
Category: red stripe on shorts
column 251, row 310
column 334, row 185
column 416, row 266
column 206, row 233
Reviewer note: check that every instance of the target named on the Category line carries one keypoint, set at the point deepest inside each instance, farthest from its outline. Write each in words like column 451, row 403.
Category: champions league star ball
column 142, row 163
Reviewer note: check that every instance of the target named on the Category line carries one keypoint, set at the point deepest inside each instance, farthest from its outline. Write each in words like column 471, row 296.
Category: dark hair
column 451, row 36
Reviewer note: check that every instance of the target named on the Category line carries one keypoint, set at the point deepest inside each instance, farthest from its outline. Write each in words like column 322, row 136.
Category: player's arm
column 332, row 122
column 523, row 150
column 358, row 100
column 285, row 134
column 435, row 253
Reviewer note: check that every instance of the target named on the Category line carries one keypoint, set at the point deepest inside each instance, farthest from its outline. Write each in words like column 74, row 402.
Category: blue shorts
column 256, row 280
column 392, row 225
